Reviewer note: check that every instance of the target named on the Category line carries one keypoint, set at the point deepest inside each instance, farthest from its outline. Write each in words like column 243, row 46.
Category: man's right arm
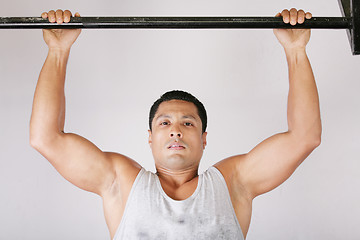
column 74, row 157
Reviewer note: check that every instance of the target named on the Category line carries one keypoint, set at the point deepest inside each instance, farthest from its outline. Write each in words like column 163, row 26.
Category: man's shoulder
column 122, row 162
column 229, row 166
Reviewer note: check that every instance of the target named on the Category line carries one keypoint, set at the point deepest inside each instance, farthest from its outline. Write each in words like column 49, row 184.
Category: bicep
column 271, row 162
column 80, row 162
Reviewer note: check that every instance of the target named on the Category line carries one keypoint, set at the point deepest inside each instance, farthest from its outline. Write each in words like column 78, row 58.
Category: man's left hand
column 293, row 38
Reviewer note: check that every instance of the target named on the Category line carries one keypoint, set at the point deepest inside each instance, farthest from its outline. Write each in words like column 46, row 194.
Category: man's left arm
column 274, row 160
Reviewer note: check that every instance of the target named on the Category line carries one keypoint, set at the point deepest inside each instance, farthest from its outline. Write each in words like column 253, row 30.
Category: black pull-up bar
column 174, row 22
column 350, row 21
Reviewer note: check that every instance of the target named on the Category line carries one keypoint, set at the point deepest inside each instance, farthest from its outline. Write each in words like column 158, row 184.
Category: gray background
column 241, row 77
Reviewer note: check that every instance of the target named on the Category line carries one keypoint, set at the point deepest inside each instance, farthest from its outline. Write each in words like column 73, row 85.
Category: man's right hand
column 60, row 39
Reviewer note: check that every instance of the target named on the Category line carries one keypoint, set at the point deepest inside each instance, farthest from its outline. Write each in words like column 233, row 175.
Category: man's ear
column 204, row 139
column 150, row 138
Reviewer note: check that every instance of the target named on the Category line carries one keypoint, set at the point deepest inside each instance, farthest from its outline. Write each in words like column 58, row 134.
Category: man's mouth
column 176, row 146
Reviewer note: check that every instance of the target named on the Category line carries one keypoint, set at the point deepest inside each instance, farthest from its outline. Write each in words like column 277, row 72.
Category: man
column 176, row 203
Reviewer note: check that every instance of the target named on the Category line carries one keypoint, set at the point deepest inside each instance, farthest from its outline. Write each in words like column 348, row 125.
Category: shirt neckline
column 163, row 193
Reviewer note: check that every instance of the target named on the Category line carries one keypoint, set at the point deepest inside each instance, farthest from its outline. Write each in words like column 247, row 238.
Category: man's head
column 179, row 95
column 177, row 134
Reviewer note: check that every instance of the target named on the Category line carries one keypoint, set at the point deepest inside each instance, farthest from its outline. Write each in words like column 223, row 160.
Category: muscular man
column 176, row 202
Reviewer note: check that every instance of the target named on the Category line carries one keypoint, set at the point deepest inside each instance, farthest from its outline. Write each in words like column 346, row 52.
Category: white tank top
column 151, row 214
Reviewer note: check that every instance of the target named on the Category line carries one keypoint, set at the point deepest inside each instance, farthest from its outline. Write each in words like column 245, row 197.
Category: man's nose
column 175, row 132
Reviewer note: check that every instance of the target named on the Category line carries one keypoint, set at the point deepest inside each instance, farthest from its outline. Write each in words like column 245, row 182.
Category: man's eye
column 188, row 124
column 164, row 123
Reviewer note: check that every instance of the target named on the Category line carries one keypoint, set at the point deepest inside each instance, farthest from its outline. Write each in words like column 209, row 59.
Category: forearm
column 303, row 100
column 48, row 113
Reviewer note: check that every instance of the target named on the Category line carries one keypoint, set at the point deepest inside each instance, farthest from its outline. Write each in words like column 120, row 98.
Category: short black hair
column 179, row 95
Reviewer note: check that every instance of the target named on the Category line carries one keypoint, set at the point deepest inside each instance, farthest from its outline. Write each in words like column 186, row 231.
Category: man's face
column 176, row 139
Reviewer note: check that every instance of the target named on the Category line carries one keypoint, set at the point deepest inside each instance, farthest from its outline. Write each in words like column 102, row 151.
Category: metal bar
column 351, row 9
column 355, row 30
column 174, row 22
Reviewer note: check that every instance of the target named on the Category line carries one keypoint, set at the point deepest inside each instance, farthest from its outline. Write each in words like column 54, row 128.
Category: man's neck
column 176, row 178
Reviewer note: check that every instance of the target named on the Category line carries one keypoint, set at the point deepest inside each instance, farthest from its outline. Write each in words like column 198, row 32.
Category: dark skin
column 176, row 139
